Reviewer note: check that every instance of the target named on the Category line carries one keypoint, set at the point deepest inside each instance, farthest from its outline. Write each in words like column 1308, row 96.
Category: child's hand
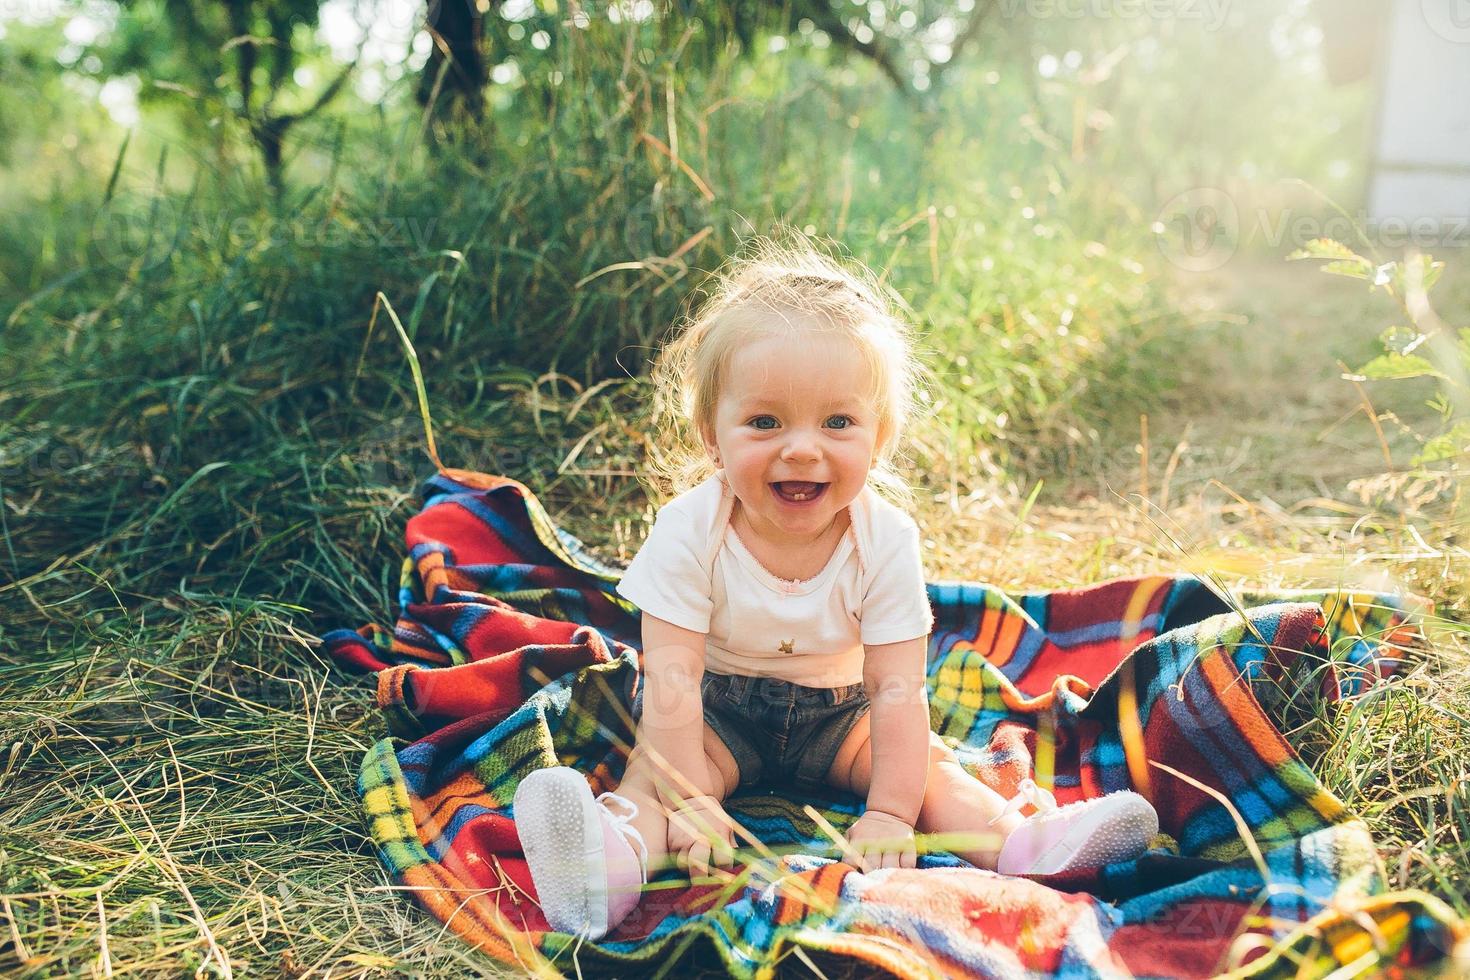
column 701, row 834
column 882, row 840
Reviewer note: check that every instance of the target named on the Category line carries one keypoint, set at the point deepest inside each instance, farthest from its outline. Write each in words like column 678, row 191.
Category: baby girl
column 785, row 617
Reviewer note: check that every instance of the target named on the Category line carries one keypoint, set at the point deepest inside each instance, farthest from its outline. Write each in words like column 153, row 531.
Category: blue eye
column 756, row 423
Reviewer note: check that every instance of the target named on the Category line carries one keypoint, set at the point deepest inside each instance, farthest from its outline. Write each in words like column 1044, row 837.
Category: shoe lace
column 1027, row 792
column 623, row 825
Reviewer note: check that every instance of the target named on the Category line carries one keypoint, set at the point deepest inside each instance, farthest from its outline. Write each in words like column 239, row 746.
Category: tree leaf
column 1401, row 340
column 1446, row 445
column 1394, row 367
column 1327, row 248
column 1353, row 270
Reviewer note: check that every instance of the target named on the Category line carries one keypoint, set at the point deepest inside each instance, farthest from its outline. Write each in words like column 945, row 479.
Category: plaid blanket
column 513, row 652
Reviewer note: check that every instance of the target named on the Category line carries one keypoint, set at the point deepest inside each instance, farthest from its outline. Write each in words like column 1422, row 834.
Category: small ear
column 883, row 436
column 710, row 446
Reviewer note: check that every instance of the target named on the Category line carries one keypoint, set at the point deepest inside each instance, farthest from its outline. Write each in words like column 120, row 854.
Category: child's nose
column 801, row 446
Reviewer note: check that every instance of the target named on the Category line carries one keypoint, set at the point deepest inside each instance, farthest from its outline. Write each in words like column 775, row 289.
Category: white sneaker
column 579, row 852
column 1084, row 834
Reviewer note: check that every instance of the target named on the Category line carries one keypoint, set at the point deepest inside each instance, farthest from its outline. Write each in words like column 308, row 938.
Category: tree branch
column 978, row 15
column 828, row 20
column 239, row 12
column 283, row 58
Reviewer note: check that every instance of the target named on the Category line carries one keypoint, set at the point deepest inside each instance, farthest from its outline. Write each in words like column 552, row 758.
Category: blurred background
column 1191, row 275
column 1087, row 203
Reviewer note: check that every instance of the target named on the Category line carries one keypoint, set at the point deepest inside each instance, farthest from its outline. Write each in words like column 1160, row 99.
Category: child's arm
column 894, row 679
column 673, row 709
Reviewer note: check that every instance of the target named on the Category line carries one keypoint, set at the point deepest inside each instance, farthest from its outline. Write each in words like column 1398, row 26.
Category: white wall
column 1422, row 148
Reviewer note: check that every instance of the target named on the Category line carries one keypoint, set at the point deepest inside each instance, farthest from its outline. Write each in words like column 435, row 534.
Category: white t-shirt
column 695, row 572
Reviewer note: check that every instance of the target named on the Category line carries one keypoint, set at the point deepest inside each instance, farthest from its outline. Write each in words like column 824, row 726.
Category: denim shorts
column 776, row 729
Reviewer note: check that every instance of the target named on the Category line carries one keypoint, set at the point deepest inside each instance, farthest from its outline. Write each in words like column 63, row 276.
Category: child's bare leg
column 954, row 801
column 641, row 780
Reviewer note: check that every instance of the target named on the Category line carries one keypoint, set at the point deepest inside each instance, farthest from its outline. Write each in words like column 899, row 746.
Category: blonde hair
column 753, row 297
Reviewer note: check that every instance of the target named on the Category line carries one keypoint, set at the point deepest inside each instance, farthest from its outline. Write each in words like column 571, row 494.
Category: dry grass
column 177, row 767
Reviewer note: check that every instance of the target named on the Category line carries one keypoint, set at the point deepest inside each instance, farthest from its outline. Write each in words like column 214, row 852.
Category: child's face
column 795, row 409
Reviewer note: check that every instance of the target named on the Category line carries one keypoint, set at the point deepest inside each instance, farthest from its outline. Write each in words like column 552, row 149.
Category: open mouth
column 798, row 492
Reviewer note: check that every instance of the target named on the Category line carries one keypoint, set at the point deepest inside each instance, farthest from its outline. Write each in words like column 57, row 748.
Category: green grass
column 206, row 460
column 180, row 759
